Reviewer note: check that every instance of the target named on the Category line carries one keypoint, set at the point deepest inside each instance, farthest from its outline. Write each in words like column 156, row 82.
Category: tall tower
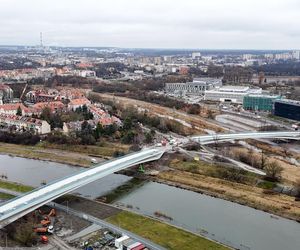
column 41, row 39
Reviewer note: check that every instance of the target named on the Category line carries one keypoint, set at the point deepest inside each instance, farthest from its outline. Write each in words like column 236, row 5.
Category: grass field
column 4, row 196
column 15, row 186
column 104, row 150
column 126, row 188
column 78, row 155
column 36, row 152
column 163, row 234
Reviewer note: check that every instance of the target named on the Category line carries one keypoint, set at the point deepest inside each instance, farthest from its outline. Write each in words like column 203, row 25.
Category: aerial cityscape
column 131, row 125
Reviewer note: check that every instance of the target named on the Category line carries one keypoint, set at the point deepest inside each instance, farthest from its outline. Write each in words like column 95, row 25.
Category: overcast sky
column 204, row 24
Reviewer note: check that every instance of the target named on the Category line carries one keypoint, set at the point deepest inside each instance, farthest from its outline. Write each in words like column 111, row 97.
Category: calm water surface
column 233, row 224
column 34, row 172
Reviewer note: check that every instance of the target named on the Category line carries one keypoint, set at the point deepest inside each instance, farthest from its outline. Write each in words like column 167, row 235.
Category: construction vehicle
column 47, row 221
column 44, row 230
column 45, row 226
column 44, row 239
column 141, row 169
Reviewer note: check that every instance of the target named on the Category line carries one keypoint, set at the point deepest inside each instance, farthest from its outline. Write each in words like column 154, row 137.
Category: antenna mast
column 41, row 39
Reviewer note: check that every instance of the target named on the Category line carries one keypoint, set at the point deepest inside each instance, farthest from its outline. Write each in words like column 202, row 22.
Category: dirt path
column 198, row 123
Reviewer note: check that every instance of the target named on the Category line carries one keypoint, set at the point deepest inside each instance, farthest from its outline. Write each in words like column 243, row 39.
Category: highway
column 21, row 205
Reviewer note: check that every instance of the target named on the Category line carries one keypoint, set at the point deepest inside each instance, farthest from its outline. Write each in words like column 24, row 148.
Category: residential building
column 53, row 106
column 78, row 103
column 36, row 96
column 6, row 94
column 12, row 109
column 23, row 123
column 196, row 55
column 184, row 70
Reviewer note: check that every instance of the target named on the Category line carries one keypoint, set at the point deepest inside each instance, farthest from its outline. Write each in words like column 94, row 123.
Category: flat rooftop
column 289, row 101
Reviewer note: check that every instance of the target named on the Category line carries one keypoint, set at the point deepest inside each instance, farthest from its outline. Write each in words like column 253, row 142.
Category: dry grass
column 244, row 194
column 197, row 122
column 290, row 173
column 34, row 152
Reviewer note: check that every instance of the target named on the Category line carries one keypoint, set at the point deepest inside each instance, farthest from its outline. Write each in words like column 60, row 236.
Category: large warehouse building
column 259, row 102
column 197, row 87
column 233, row 94
column 289, row 109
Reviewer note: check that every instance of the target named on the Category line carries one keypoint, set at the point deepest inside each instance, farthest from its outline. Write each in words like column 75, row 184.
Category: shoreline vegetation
column 75, row 155
column 164, row 234
column 254, row 197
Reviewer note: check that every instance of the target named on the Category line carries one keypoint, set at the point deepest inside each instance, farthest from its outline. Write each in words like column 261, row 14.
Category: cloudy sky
column 204, row 24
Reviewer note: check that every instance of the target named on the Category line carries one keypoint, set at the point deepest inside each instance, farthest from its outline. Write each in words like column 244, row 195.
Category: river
column 227, row 222
column 235, row 225
column 33, row 172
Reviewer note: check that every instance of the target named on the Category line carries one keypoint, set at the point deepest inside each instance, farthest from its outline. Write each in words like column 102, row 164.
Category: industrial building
column 233, row 94
column 289, row 109
column 197, row 87
column 259, row 102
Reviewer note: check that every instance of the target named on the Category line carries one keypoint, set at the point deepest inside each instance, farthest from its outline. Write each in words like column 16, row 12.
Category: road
column 107, row 225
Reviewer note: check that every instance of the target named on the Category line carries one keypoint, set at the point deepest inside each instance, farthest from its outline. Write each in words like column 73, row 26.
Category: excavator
column 45, row 226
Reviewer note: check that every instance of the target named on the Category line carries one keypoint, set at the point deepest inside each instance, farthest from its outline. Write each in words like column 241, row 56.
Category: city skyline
column 159, row 24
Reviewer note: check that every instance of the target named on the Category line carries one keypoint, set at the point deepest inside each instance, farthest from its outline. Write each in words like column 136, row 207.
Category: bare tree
column 273, row 171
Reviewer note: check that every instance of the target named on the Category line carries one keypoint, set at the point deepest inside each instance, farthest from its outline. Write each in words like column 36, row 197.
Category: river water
column 235, row 225
column 227, row 222
column 34, row 172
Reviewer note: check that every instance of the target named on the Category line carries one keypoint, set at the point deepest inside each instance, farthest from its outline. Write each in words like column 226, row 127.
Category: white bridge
column 19, row 206
column 216, row 138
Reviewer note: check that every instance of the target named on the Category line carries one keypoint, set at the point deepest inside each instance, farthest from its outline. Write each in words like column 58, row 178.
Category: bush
column 232, row 174
column 118, row 153
column 297, row 187
column 26, row 138
column 273, row 171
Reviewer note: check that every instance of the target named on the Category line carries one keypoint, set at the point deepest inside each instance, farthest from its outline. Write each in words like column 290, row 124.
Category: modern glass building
column 259, row 102
column 289, row 109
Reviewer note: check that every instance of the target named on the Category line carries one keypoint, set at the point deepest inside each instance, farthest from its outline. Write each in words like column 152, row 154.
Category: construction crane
column 23, row 92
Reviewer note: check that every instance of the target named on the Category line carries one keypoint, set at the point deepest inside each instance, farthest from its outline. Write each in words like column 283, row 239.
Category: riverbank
column 278, row 204
column 159, row 232
column 75, row 155
column 258, row 198
column 163, row 234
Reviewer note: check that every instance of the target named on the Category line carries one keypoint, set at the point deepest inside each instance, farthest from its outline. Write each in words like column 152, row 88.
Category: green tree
column 148, row 137
column 19, row 111
column 46, row 114
column 127, row 123
column 128, row 137
column 99, row 131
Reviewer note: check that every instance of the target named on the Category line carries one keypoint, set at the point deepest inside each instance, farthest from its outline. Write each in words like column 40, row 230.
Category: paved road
column 107, row 225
